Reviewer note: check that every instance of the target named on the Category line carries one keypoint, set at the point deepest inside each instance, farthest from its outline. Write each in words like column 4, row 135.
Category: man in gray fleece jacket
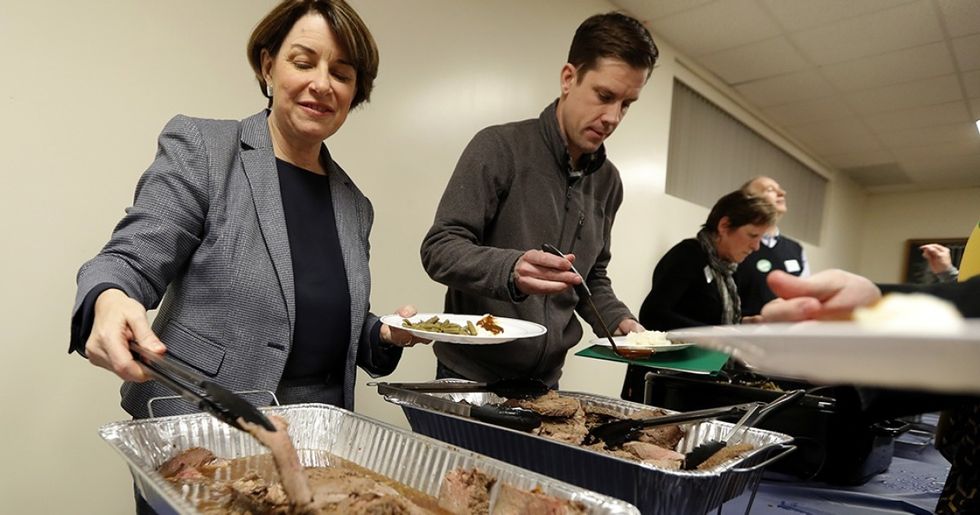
column 536, row 181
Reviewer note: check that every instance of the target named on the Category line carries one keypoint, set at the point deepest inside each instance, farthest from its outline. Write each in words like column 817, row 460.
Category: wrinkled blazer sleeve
column 154, row 239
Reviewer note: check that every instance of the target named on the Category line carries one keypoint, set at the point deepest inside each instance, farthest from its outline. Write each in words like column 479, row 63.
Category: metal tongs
column 617, row 432
column 217, row 400
column 513, row 388
column 708, row 448
column 583, row 291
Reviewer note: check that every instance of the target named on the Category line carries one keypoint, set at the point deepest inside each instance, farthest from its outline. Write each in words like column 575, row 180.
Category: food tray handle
column 149, row 403
column 786, row 449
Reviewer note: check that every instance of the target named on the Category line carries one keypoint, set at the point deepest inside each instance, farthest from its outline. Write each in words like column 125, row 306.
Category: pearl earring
column 268, row 90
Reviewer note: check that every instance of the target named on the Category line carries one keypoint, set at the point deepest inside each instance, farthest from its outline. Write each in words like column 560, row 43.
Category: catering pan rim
column 368, row 442
column 651, row 489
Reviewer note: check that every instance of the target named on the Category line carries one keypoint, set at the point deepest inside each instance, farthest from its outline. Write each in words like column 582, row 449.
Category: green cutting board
column 692, row 359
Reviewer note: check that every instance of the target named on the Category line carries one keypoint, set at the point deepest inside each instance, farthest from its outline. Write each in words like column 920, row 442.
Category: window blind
column 711, row 153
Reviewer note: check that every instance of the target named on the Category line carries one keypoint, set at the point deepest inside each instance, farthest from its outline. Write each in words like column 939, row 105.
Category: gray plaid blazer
column 207, row 228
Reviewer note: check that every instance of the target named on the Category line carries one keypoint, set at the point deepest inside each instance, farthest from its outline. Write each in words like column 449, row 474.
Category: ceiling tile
column 755, row 60
column 919, row 62
column 945, row 161
column 797, row 15
column 785, row 88
column 842, row 136
column 860, row 159
column 905, row 26
column 886, row 174
column 872, row 84
column 717, row 26
column 928, row 116
column 931, row 152
column 962, row 16
column 808, row 111
column 958, row 177
column 964, row 177
column 971, row 81
column 919, row 93
column 964, row 133
column 967, row 50
column 960, row 170
column 653, row 9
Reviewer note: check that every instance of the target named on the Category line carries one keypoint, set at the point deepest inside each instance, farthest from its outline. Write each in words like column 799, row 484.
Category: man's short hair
column 612, row 35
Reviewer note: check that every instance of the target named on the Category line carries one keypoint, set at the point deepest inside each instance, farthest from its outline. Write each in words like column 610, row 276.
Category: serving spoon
column 583, row 291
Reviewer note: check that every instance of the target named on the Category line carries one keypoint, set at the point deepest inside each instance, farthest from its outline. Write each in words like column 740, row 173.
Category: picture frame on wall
column 916, row 269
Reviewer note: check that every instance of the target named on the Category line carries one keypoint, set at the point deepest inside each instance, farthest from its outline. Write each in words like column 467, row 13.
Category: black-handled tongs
column 617, row 432
column 217, row 400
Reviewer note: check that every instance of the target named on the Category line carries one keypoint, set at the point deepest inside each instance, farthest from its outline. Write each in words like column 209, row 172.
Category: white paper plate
column 843, row 352
column 623, row 344
column 513, row 328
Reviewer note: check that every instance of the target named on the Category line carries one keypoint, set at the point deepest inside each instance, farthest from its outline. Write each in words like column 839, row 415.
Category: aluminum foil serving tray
column 412, row 459
column 652, row 490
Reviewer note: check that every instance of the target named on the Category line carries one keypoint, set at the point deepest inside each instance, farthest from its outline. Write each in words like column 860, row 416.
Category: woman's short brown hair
column 741, row 209
column 343, row 21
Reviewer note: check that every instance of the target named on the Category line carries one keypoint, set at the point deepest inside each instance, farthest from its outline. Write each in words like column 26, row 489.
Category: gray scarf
column 731, row 305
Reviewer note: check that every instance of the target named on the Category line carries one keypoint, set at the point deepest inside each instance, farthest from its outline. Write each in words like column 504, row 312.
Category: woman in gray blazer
column 249, row 238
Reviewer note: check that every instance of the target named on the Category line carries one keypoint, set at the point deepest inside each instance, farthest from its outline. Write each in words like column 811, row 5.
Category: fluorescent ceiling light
column 978, row 125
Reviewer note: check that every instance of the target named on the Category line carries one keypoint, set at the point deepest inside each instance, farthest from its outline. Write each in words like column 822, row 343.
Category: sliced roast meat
column 549, row 405
column 571, row 429
column 466, row 491
column 664, row 436
column 252, row 494
column 729, row 452
column 191, row 459
column 287, row 461
column 515, row 501
column 648, row 451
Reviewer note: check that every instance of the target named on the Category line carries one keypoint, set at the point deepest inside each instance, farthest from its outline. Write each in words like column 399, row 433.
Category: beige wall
column 89, row 85
column 891, row 219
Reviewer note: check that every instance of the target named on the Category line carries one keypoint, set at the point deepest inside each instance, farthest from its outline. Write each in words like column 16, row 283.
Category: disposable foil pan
column 412, row 459
column 651, row 489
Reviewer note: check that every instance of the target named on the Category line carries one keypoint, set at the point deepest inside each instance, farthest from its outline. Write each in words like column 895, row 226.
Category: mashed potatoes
column 910, row 312
column 648, row 338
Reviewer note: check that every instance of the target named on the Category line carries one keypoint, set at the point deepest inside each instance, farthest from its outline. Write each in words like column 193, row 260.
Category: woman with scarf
column 693, row 284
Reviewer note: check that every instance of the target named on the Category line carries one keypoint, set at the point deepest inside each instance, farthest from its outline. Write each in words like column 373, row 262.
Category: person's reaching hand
column 538, row 272
column 118, row 321
column 825, row 295
column 938, row 257
column 626, row 326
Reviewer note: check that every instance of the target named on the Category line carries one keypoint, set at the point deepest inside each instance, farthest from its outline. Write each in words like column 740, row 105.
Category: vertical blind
column 711, row 153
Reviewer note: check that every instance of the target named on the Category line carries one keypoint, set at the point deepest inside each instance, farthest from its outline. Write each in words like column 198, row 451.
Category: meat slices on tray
column 287, row 461
column 567, row 420
column 252, row 485
column 466, row 491
column 514, row 501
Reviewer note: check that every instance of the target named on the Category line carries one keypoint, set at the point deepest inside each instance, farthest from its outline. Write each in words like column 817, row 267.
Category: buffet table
column 910, row 485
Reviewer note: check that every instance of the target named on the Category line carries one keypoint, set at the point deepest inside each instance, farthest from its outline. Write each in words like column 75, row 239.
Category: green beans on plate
column 434, row 325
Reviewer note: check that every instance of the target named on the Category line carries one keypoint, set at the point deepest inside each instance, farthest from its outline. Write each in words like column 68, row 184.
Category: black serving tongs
column 513, row 388
column 217, row 400
column 616, row 433
column 583, row 291
column 520, row 419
